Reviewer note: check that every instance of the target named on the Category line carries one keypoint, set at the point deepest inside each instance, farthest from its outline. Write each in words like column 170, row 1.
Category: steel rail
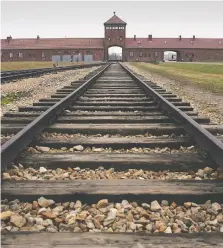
column 208, row 142
column 10, row 75
column 12, row 148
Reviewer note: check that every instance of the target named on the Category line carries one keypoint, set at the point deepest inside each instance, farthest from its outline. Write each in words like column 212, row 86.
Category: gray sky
column 85, row 19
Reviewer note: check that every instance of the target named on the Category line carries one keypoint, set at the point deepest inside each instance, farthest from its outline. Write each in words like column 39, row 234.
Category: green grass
column 11, row 97
column 208, row 76
column 26, row 65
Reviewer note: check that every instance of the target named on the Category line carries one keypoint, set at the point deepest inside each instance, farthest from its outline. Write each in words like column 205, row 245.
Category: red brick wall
column 114, row 37
column 182, row 55
column 36, row 55
column 101, row 54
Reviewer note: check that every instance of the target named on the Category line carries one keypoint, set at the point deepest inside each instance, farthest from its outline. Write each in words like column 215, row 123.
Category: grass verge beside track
column 208, row 76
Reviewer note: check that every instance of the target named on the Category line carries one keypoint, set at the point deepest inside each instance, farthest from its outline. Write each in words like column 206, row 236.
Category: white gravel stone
column 43, row 148
column 78, row 148
column 42, row 170
column 111, row 216
column 43, row 202
column 155, row 206
column 216, row 206
column 149, row 227
column 168, row 230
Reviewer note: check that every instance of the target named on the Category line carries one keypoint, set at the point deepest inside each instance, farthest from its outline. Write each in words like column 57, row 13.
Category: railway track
column 111, row 161
column 8, row 76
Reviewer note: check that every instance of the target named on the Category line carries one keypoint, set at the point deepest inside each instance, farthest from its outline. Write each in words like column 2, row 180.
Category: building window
column 89, row 52
column 10, row 55
column 156, row 54
column 121, row 38
column 140, row 54
column 43, row 55
column 131, row 54
column 145, row 54
column 109, row 38
column 20, row 55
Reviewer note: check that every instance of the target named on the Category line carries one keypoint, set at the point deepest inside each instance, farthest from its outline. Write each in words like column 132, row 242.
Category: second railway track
column 117, row 161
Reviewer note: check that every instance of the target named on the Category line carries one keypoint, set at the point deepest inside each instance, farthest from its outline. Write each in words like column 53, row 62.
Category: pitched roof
column 89, row 43
column 52, row 43
column 115, row 20
column 175, row 43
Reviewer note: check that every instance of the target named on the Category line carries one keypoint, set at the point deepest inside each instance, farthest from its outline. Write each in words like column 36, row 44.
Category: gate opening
column 170, row 56
column 115, row 53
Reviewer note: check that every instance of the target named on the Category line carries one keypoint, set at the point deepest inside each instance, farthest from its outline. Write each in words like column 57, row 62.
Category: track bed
column 111, row 165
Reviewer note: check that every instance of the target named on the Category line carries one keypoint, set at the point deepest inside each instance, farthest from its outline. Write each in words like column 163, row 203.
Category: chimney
column 180, row 37
column 193, row 37
column 150, row 37
column 37, row 37
column 9, row 38
column 134, row 37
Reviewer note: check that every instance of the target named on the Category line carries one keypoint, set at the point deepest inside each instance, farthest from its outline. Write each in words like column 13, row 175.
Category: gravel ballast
column 33, row 89
column 42, row 173
column 153, row 217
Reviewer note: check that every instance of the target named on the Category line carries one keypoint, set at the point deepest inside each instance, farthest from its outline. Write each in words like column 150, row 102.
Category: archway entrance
column 170, row 56
column 115, row 53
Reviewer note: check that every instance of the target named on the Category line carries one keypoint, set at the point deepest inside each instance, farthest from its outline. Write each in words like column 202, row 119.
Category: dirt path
column 205, row 102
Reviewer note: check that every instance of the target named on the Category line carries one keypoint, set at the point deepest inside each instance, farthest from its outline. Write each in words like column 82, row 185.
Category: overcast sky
column 85, row 19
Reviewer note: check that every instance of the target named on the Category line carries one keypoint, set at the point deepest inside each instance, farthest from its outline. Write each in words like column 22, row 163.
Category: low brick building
column 97, row 49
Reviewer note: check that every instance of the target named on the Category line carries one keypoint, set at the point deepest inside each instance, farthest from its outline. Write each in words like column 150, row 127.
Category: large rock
column 168, row 230
column 49, row 215
column 6, row 175
column 111, row 217
column 216, row 206
column 78, row 148
column 149, row 227
column 102, row 203
column 42, row 170
column 6, row 215
column 18, row 220
column 43, row 148
column 43, row 202
column 155, row 206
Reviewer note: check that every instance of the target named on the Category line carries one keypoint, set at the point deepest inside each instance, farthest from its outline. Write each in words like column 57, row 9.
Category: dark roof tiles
column 115, row 20
column 175, row 43
column 90, row 43
column 52, row 43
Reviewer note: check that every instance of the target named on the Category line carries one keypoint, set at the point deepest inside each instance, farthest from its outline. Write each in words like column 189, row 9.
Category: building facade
column 97, row 49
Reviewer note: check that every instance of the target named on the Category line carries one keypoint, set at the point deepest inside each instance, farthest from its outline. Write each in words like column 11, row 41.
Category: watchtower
column 115, row 33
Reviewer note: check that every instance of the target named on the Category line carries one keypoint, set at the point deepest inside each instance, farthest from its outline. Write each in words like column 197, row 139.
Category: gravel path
column 30, row 90
column 103, row 216
column 208, row 104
